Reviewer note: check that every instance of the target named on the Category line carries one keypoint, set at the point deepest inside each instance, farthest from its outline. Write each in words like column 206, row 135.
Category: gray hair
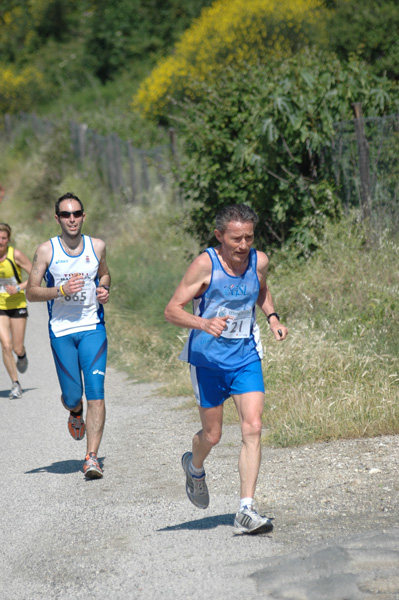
column 236, row 212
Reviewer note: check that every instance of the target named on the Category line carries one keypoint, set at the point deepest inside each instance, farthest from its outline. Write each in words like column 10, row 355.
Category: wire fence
column 363, row 159
column 122, row 167
column 365, row 163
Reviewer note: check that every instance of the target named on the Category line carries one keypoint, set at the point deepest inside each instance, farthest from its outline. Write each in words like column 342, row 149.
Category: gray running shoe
column 76, row 426
column 91, row 468
column 22, row 364
column 196, row 488
column 16, row 390
column 247, row 520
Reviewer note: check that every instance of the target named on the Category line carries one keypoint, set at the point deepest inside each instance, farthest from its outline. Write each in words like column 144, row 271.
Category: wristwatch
column 272, row 315
column 106, row 287
column 18, row 288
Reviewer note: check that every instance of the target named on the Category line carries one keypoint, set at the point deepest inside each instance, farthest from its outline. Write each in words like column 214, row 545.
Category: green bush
column 259, row 135
column 25, row 27
column 371, row 32
column 134, row 30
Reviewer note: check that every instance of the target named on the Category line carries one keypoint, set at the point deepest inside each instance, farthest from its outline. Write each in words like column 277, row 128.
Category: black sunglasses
column 65, row 214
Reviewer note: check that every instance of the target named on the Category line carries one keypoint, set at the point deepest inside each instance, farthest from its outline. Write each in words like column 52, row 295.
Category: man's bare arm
column 265, row 300
column 103, row 272
column 40, row 262
column 195, row 281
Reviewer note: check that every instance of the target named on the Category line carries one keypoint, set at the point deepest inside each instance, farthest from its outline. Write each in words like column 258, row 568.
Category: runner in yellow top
column 13, row 310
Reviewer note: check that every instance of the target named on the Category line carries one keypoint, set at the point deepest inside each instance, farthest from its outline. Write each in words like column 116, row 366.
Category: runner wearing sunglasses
column 77, row 279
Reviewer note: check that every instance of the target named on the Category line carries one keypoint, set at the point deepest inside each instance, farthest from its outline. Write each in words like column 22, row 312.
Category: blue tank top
column 227, row 294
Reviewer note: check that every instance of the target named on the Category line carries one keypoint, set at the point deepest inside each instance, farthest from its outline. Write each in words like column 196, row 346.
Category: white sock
column 196, row 472
column 246, row 502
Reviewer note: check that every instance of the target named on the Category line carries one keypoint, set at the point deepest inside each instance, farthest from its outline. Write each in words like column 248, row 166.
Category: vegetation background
column 253, row 90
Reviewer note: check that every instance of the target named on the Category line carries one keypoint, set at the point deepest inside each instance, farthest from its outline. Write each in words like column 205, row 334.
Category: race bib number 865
column 85, row 297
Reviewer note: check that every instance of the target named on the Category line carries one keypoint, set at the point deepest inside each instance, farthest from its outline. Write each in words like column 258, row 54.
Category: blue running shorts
column 84, row 352
column 213, row 386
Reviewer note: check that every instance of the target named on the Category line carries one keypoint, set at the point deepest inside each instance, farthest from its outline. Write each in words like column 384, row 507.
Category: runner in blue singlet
column 225, row 285
column 75, row 270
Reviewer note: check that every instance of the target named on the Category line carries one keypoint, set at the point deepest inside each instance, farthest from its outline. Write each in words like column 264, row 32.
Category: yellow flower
column 230, row 32
column 19, row 88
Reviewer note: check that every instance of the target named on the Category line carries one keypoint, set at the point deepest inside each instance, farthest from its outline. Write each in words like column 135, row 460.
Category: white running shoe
column 196, row 488
column 247, row 520
column 16, row 390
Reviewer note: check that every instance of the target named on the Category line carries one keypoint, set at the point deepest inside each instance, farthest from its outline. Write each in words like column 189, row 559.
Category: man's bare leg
column 209, row 435
column 193, row 462
column 95, row 420
column 250, row 408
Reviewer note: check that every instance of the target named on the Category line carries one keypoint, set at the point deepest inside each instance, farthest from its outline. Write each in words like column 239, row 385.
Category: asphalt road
column 134, row 534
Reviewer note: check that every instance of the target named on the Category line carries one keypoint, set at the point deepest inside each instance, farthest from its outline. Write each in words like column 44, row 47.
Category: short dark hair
column 236, row 212
column 67, row 196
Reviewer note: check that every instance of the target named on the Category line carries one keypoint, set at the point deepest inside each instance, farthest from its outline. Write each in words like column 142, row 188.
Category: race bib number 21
column 239, row 326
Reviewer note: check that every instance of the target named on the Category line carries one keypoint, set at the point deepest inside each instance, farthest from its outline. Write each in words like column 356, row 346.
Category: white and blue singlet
column 76, row 325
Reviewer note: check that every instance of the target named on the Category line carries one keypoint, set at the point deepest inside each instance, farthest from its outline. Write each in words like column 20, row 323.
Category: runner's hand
column 279, row 331
column 102, row 294
column 11, row 289
column 216, row 325
column 73, row 285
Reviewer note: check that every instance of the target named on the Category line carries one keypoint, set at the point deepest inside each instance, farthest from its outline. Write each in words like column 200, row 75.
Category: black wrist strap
column 272, row 315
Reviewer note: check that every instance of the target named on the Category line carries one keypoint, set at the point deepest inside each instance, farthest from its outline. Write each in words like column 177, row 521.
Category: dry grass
column 336, row 375
column 318, row 389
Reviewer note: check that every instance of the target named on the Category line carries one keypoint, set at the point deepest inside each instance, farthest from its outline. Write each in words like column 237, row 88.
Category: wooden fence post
column 132, row 172
column 117, row 161
column 8, row 127
column 108, row 153
column 82, row 130
column 364, row 162
column 112, row 174
column 175, row 158
column 160, row 168
column 144, row 180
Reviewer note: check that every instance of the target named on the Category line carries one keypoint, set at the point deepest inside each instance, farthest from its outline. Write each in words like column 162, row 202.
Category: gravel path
column 135, row 535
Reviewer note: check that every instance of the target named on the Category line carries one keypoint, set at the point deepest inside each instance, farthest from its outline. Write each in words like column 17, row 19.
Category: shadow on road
column 6, row 393
column 62, row 467
column 206, row 523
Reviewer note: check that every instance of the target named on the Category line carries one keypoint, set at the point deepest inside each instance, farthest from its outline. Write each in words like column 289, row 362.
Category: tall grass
column 336, row 375
column 324, row 389
column 148, row 255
